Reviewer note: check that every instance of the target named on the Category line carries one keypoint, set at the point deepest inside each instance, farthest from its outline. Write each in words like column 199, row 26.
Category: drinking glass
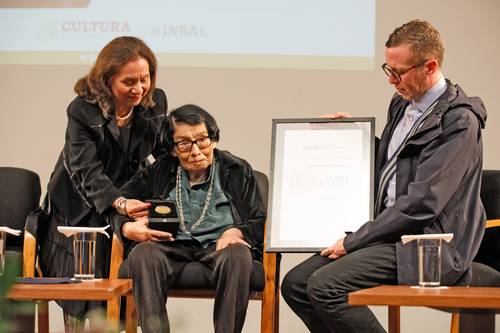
column 84, row 252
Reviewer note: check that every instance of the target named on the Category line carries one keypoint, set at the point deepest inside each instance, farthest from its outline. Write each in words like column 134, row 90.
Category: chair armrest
column 117, row 251
column 29, row 254
column 492, row 223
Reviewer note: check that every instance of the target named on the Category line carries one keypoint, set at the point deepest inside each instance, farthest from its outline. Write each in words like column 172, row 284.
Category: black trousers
column 317, row 289
column 156, row 266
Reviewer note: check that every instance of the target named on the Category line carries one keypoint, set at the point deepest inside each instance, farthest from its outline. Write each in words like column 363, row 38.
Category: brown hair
column 425, row 41
column 95, row 86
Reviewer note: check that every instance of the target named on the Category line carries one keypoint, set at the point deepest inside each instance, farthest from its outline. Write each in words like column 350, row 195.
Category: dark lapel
column 139, row 127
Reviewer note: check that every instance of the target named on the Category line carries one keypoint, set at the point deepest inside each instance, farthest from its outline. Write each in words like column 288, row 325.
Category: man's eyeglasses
column 398, row 74
column 186, row 146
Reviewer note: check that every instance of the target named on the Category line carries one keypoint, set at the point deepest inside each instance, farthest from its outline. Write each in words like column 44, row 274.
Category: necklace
column 126, row 116
column 178, row 200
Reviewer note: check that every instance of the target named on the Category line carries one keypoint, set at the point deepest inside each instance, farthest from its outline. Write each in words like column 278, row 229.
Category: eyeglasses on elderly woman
column 185, row 146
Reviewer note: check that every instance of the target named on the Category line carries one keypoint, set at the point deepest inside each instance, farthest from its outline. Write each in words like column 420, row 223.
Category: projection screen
column 317, row 34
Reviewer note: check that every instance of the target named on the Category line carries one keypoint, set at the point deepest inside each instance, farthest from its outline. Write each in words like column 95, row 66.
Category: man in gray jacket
column 428, row 175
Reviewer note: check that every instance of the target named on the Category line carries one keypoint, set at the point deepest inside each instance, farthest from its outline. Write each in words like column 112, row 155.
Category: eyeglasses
column 186, row 146
column 398, row 74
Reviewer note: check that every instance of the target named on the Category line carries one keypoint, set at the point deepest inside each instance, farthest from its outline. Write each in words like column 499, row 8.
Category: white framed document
column 321, row 181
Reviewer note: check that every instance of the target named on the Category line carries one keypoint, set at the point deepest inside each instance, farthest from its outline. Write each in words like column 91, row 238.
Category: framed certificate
column 321, row 182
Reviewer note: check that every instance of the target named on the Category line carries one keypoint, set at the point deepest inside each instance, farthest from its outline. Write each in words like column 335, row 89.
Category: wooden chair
column 267, row 292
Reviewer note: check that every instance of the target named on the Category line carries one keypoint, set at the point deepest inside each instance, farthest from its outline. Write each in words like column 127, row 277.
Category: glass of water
column 429, row 262
column 84, row 254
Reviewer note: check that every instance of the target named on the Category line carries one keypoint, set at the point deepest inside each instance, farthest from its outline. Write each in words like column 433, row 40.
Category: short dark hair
column 425, row 41
column 189, row 114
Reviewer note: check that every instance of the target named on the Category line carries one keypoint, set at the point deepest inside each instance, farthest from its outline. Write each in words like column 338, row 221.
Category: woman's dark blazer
column 91, row 167
column 93, row 164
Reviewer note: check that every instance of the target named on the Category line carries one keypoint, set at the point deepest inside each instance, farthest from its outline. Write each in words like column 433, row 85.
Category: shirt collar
column 430, row 96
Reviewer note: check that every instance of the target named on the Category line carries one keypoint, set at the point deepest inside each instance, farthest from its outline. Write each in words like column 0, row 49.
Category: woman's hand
column 230, row 236
column 138, row 231
column 136, row 208
column 131, row 207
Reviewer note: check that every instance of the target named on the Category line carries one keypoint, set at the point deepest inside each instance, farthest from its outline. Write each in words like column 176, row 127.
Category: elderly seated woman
column 221, row 217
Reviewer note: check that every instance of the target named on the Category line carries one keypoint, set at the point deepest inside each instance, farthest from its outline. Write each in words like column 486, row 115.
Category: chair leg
column 113, row 313
column 43, row 316
column 276, row 319
column 394, row 321
column 131, row 315
column 269, row 319
column 267, row 322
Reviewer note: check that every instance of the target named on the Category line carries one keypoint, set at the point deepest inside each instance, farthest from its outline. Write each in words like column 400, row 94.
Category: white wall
column 244, row 101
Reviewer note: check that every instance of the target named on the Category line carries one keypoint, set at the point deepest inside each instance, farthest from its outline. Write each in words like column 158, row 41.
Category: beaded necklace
column 178, row 200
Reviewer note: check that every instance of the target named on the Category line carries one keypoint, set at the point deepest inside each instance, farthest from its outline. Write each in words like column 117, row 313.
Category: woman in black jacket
column 113, row 126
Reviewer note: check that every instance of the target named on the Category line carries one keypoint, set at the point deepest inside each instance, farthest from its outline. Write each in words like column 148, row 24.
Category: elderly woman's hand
column 138, row 231
column 230, row 236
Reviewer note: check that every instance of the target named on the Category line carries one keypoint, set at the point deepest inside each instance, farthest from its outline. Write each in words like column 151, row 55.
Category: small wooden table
column 452, row 297
column 109, row 290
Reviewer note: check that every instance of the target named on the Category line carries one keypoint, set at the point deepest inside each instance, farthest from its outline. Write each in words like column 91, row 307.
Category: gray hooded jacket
column 438, row 178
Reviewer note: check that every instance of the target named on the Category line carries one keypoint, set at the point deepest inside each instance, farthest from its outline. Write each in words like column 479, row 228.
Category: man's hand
column 138, row 231
column 337, row 115
column 136, row 208
column 230, row 236
column 335, row 251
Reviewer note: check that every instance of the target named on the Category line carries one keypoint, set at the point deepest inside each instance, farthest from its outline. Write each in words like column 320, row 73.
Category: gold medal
column 164, row 210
